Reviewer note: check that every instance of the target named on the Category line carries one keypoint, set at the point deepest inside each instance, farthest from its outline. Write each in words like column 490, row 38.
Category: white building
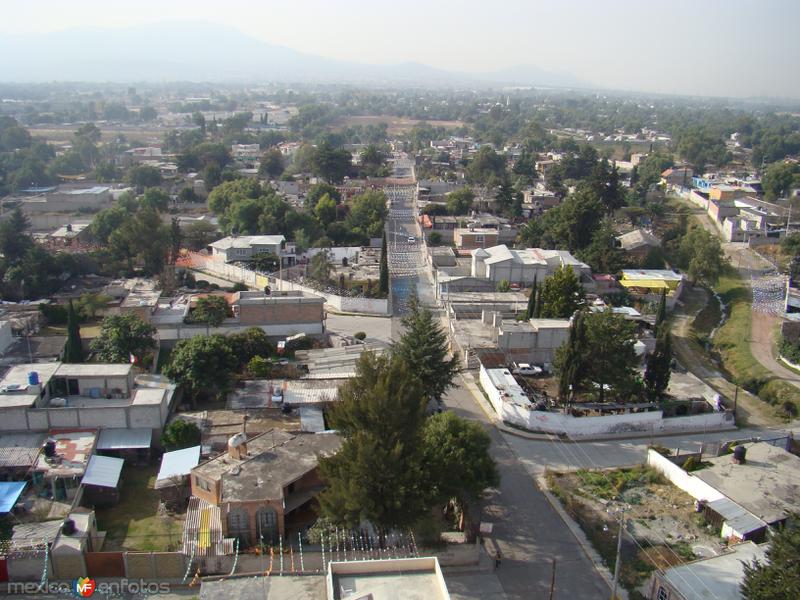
column 500, row 263
column 245, row 247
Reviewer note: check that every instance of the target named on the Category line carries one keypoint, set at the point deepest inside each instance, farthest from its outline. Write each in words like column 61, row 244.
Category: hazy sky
column 710, row 47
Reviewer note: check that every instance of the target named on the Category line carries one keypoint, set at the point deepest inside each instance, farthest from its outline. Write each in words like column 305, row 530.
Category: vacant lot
column 662, row 530
column 135, row 523
column 395, row 125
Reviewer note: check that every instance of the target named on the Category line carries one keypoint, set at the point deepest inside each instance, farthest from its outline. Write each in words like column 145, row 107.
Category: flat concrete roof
column 716, row 577
column 767, row 484
column 73, row 450
column 18, row 376
column 274, row 459
column 393, row 579
column 148, row 396
column 311, row 587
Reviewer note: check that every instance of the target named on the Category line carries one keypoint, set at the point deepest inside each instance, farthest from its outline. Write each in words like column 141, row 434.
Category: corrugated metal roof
column 103, row 471
column 20, row 449
column 202, row 530
column 9, row 493
column 178, row 462
column 738, row 518
column 311, row 419
column 124, row 439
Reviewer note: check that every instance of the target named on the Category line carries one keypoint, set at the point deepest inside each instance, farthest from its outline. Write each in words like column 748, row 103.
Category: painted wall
column 631, row 423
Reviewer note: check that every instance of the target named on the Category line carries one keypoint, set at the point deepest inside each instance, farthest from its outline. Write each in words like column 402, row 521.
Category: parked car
column 526, row 369
column 411, row 239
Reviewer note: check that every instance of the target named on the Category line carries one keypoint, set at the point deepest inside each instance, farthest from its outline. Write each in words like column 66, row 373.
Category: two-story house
column 264, row 485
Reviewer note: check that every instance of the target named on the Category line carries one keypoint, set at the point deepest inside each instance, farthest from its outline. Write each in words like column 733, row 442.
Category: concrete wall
column 25, row 566
column 171, row 333
column 370, row 306
column 695, row 487
column 43, row 419
column 630, row 423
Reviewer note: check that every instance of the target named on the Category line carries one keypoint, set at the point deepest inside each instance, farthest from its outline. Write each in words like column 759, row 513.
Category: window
column 202, row 484
column 479, row 239
column 662, row 594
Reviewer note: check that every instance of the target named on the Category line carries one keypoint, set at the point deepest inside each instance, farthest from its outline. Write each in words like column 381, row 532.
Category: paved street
column 528, row 532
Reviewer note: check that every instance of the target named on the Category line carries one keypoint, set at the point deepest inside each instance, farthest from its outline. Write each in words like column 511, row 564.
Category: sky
column 698, row 47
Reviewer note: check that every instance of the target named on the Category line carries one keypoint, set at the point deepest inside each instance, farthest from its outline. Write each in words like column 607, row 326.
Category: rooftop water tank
column 739, row 453
column 33, row 378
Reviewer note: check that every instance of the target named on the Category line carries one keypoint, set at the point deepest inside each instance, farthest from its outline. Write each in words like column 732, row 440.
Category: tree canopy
column 562, row 294
column 123, row 336
column 778, row 577
column 202, row 365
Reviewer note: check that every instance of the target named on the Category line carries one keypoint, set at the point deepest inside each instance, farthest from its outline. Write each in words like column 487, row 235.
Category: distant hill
column 188, row 51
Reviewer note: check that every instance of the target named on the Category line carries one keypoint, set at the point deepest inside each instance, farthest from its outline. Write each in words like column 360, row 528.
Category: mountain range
column 195, row 51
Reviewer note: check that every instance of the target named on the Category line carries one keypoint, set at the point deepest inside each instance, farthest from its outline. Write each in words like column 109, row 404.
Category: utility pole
column 618, row 561
column 553, row 580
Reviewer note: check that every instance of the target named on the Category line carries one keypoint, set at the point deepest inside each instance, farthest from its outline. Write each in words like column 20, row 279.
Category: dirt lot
column 395, row 125
column 657, row 512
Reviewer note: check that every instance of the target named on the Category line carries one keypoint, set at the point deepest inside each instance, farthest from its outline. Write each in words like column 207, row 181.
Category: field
column 395, row 125
column 135, row 523
column 55, row 133
column 663, row 529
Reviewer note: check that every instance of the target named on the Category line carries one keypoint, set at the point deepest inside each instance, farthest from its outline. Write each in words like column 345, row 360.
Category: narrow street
column 527, row 530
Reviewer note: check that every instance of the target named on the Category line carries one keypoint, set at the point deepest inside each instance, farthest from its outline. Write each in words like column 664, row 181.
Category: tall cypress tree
column 384, row 277
column 73, row 350
column 661, row 315
column 537, row 308
column 657, row 373
column 570, row 358
column 531, row 310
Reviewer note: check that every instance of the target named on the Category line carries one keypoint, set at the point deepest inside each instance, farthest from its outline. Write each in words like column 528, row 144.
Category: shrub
column 201, row 284
column 180, row 434
column 258, row 366
column 360, row 335
column 54, row 313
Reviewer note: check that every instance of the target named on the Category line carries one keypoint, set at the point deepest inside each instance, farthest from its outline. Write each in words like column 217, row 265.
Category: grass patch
column 706, row 320
column 610, row 484
column 732, row 342
column 134, row 523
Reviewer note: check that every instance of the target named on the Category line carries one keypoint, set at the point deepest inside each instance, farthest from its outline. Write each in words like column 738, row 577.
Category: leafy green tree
column 383, row 282
column 144, row 176
column 210, row 310
column 266, row 262
column 199, row 234
column 202, row 365
column 780, row 179
column 379, row 474
column 13, row 243
column 702, row 255
column 434, row 238
column 250, row 343
column 367, row 215
column 73, row 350
column 657, row 373
column 230, row 192
column 460, row 201
column 317, row 191
column 424, row 347
column 143, row 239
column 155, row 199
column 259, row 367
column 457, row 457
column 89, row 304
column 319, row 267
column 180, row 434
column 325, row 210
column 609, row 343
column 123, row 336
column 562, row 294
column 106, row 172
column 331, row 163
column 604, row 182
column 777, row 578
column 486, row 164
column 271, row 164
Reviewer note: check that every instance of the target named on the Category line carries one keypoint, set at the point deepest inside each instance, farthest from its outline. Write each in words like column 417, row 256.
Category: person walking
column 497, row 560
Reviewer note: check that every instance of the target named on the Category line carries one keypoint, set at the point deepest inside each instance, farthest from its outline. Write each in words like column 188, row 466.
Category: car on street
column 411, row 239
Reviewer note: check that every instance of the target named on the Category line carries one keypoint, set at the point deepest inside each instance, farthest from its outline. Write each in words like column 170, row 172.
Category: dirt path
column 750, row 409
column 763, row 326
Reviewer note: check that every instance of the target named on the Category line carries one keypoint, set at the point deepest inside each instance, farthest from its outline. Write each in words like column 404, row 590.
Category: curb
column 580, row 537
